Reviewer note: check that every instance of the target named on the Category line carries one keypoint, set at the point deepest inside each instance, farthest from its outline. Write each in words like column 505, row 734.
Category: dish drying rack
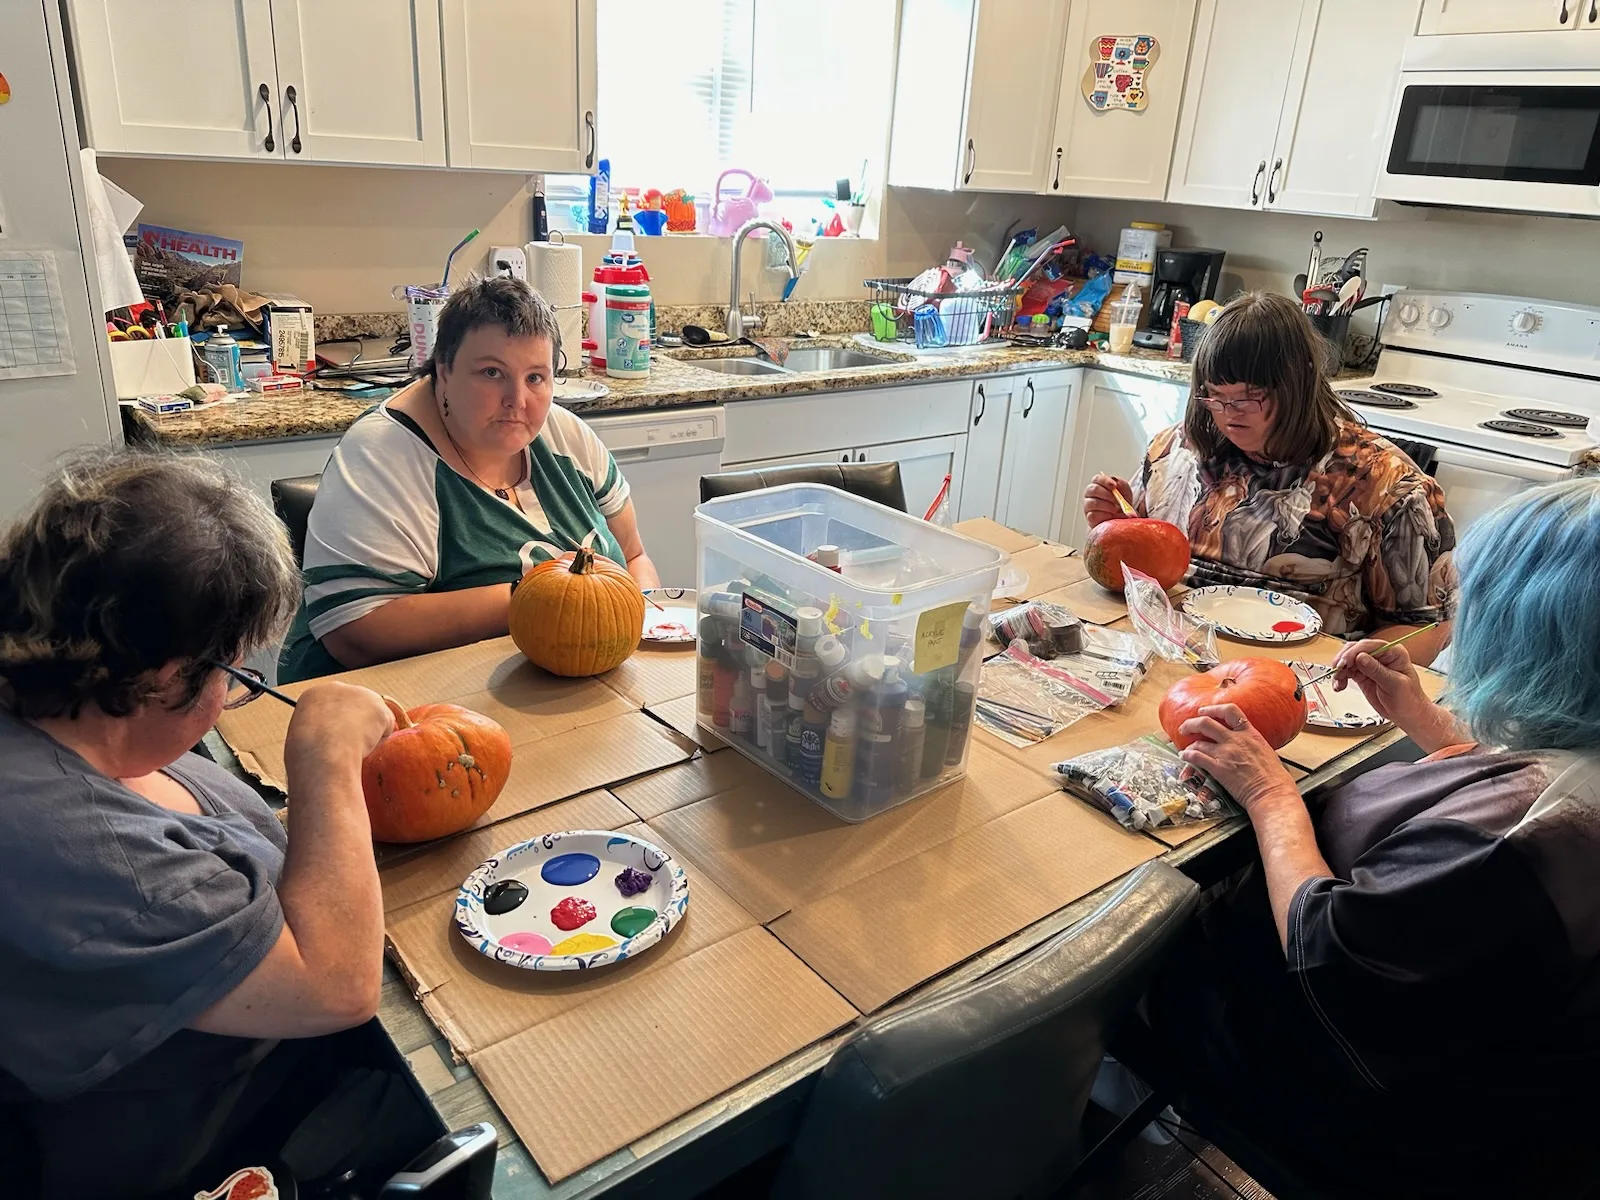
column 939, row 318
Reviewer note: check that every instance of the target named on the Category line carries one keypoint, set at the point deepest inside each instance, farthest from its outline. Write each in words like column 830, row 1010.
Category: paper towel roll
column 555, row 271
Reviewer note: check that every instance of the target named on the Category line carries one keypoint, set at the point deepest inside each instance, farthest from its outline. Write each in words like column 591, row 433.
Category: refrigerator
column 56, row 391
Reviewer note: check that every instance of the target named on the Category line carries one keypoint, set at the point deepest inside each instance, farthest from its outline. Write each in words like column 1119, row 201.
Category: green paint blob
column 630, row 921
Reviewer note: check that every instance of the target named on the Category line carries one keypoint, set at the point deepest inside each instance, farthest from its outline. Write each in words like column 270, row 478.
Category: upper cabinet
column 1122, row 153
column 501, row 113
column 1505, row 16
column 360, row 81
column 975, row 94
column 1287, row 104
column 357, row 81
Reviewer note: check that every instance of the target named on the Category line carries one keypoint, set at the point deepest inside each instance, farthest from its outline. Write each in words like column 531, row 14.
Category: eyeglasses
column 245, row 685
column 1250, row 404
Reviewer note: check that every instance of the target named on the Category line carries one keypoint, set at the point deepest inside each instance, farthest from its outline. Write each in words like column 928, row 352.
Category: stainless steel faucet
column 739, row 322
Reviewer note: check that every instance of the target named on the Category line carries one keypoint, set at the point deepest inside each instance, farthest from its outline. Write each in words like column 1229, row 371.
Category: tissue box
column 156, row 367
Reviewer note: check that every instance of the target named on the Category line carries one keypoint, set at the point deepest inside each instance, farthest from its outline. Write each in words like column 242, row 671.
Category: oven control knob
column 1410, row 314
column 1439, row 318
column 1526, row 321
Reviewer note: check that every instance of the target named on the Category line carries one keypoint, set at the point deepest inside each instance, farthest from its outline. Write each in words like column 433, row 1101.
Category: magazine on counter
column 171, row 261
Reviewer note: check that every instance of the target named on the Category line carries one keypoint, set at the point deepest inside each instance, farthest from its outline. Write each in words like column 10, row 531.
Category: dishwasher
column 662, row 456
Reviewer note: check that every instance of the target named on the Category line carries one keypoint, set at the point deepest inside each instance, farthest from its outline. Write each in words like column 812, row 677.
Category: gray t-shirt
column 120, row 921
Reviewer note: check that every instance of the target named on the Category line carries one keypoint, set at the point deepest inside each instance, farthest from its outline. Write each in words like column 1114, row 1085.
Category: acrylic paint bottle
column 882, row 713
column 778, row 707
column 827, row 556
column 724, row 683
column 813, row 729
column 839, row 755
column 763, row 707
column 807, row 668
column 971, row 638
column 742, row 717
column 913, row 737
column 794, row 730
column 960, row 721
column 848, row 681
column 938, row 698
column 709, row 650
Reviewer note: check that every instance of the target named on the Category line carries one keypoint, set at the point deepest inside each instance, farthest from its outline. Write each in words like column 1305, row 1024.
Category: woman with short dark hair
column 437, row 501
column 1279, row 485
column 156, row 930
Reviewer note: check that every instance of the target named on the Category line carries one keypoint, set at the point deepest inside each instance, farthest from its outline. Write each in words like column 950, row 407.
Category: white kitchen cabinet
column 986, row 446
column 923, row 465
column 360, row 81
column 992, row 134
column 1117, row 153
column 186, row 80
column 1499, row 16
column 1030, row 474
column 1108, row 431
column 501, row 113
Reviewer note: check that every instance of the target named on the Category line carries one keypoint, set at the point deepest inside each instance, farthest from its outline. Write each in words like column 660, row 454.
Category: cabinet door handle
column 1056, row 186
column 1255, row 184
column 863, row 457
column 972, row 161
column 983, row 406
column 588, row 120
column 845, row 457
column 1563, row 12
column 1594, row 11
column 266, row 98
column 1028, row 407
column 1272, row 184
column 294, row 103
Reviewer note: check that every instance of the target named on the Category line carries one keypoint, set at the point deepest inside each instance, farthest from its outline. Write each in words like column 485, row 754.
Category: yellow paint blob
column 583, row 943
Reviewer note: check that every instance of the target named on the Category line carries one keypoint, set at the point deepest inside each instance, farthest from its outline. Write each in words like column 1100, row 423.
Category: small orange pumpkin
column 438, row 772
column 577, row 615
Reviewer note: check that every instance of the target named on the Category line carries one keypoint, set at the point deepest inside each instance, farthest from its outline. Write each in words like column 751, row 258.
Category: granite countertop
column 674, row 381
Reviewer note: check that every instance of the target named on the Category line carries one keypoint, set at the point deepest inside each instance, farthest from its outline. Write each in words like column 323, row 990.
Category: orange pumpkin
column 577, row 615
column 1262, row 688
column 1158, row 548
column 438, row 772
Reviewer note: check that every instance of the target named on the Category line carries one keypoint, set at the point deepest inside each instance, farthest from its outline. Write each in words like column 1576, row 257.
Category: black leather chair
column 293, row 498
column 870, row 481
column 1424, row 455
column 980, row 1091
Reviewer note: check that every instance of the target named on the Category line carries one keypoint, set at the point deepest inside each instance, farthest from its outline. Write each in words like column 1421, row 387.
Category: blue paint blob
column 569, row 870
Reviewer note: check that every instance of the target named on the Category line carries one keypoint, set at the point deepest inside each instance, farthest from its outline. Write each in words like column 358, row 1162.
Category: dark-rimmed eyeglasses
column 244, row 685
column 1250, row 404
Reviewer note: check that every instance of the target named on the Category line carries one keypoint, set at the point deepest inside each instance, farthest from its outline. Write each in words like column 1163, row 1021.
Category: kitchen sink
column 831, row 358
column 736, row 366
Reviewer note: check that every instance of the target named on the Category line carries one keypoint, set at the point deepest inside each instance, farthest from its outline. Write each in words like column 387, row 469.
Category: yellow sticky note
column 938, row 638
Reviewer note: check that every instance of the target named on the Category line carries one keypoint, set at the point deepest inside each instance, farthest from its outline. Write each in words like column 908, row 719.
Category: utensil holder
column 1334, row 331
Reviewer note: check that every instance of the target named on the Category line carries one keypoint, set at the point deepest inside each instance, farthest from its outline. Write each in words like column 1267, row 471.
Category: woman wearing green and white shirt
column 438, row 500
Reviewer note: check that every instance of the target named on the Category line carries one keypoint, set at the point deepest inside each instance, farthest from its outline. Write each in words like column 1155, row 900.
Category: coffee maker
column 1181, row 276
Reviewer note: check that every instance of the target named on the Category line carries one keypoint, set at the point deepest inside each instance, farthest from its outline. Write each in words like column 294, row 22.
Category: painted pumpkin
column 438, row 772
column 1158, row 548
column 577, row 615
column 1263, row 689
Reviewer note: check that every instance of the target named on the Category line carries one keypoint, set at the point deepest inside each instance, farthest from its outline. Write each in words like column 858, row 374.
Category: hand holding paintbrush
column 1346, row 661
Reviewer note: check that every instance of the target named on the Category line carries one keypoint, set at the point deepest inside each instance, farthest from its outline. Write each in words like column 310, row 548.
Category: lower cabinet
column 924, row 462
column 1016, row 448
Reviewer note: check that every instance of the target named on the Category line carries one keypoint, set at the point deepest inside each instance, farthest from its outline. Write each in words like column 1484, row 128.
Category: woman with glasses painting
column 158, row 932
column 1279, row 485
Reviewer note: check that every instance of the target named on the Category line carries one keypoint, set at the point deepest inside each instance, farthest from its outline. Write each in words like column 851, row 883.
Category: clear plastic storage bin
column 855, row 683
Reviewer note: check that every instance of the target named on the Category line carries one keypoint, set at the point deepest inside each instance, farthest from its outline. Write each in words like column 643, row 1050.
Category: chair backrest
column 293, row 498
column 980, row 1090
column 1423, row 454
column 870, row 481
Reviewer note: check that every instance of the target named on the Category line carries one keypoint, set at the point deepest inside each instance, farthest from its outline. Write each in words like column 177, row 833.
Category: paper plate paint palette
column 1340, row 711
column 571, row 901
column 673, row 618
column 1253, row 614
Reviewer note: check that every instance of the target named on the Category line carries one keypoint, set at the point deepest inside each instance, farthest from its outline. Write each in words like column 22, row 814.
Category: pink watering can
column 727, row 215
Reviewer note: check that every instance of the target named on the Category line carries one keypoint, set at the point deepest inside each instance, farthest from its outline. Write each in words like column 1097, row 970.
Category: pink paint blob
column 527, row 943
column 1288, row 627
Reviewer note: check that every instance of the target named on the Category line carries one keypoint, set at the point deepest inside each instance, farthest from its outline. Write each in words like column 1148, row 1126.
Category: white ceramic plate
column 580, row 389
column 1341, row 711
column 1253, row 614
column 673, row 618
column 525, row 904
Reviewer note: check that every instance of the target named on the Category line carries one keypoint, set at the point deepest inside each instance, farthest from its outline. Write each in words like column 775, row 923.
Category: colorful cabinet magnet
column 5, row 89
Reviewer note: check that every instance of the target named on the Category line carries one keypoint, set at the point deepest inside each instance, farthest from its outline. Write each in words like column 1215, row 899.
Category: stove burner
column 1522, row 428
column 1405, row 389
column 1374, row 399
column 1549, row 416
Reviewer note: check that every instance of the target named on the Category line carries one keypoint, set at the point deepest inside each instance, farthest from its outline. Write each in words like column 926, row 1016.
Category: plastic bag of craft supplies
column 1023, row 699
column 1145, row 785
column 1169, row 632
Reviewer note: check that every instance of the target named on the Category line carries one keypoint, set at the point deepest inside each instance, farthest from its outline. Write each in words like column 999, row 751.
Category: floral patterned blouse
column 1361, row 535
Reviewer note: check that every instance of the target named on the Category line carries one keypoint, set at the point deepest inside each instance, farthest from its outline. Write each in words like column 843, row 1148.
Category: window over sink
column 796, row 91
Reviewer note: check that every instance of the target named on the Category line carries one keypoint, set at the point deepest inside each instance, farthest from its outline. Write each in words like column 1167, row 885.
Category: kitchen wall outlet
column 508, row 260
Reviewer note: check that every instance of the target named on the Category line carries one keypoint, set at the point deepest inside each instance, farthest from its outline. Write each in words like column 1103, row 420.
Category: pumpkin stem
column 402, row 719
column 582, row 559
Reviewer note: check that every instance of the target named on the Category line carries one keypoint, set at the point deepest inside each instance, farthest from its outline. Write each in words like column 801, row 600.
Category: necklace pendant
column 503, row 493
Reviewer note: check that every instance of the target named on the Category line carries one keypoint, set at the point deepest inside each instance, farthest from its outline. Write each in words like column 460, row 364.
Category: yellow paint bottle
column 839, row 755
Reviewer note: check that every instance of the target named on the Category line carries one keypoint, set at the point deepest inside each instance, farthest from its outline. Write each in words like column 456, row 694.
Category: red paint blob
column 1288, row 627
column 571, row 913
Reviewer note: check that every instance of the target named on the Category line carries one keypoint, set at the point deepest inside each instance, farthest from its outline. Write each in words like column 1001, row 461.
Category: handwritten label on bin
column 938, row 638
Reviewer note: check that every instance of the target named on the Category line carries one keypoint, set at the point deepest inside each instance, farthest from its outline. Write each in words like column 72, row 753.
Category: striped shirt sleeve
column 373, row 535
column 571, row 436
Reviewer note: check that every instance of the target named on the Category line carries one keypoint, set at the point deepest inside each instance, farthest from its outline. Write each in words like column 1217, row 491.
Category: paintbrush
column 1128, row 510
column 1332, row 671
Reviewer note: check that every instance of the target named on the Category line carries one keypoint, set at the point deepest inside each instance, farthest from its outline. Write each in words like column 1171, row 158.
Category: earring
column 445, row 401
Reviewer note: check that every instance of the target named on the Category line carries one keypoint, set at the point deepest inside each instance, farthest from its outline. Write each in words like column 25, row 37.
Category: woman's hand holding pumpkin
column 1233, row 753
column 1100, row 499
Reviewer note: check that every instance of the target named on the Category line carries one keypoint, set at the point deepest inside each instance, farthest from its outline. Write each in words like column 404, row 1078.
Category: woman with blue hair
column 1426, row 1020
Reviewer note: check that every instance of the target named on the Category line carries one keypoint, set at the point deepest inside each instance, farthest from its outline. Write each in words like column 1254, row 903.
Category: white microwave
column 1500, row 121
